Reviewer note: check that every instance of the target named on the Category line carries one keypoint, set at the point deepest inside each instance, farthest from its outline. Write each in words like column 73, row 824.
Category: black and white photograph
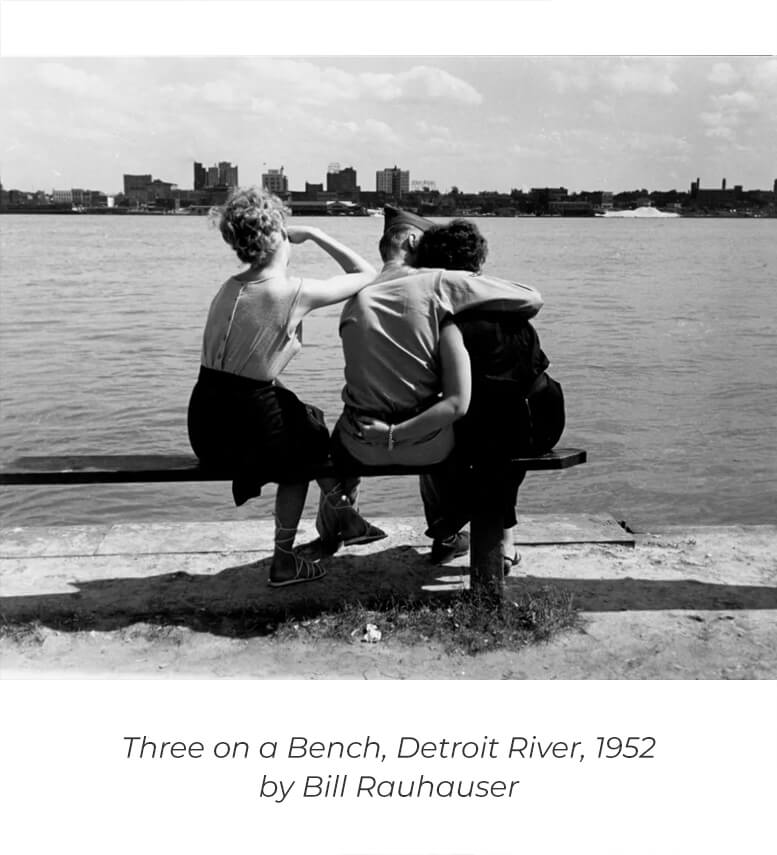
column 527, row 432
column 387, row 415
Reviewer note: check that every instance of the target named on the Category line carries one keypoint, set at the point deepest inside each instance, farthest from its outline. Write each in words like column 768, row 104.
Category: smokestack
column 723, row 186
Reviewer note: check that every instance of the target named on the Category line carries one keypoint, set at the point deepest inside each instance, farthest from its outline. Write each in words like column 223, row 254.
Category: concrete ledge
column 706, row 586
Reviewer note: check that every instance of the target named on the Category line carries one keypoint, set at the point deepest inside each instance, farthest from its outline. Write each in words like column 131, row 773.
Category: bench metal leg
column 486, row 530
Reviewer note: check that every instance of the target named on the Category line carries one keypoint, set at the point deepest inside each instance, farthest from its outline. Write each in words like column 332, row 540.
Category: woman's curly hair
column 458, row 245
column 252, row 222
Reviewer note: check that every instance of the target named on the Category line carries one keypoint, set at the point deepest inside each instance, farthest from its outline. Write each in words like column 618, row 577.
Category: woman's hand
column 371, row 429
column 299, row 234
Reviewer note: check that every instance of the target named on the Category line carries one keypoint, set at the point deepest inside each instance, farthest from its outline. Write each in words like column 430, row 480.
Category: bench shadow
column 629, row 594
column 236, row 601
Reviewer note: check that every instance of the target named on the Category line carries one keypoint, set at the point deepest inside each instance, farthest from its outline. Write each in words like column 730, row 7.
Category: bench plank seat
column 146, row 468
column 487, row 516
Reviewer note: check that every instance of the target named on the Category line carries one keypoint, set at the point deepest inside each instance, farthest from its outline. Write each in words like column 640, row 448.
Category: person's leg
column 446, row 497
column 445, row 493
column 338, row 507
column 510, row 491
column 287, row 566
column 338, row 521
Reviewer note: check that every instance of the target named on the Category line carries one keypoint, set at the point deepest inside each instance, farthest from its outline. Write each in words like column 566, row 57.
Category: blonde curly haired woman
column 240, row 416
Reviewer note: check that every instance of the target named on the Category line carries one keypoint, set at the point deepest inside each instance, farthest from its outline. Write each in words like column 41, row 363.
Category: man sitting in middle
column 391, row 334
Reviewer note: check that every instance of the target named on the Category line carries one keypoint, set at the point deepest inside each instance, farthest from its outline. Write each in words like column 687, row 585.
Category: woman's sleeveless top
column 250, row 331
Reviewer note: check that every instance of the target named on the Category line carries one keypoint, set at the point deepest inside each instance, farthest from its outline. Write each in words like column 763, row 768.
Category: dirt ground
column 681, row 603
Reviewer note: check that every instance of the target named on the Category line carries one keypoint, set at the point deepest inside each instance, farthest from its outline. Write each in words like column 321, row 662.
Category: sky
column 477, row 122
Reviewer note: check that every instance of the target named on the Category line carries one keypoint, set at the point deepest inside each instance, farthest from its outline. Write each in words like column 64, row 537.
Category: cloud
column 722, row 132
column 651, row 79
column 723, row 73
column 765, row 74
column 424, row 82
column 711, row 119
column 603, row 108
column 427, row 129
column 721, row 125
column 727, row 118
column 645, row 77
column 571, row 80
column 310, row 83
column 659, row 143
column 72, row 80
column 737, row 102
column 367, row 131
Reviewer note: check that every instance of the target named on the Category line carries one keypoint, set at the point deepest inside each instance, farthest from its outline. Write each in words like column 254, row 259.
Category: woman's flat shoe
column 509, row 563
column 305, row 571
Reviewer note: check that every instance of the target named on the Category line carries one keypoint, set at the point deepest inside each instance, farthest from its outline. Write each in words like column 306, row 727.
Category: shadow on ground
column 617, row 595
column 236, row 601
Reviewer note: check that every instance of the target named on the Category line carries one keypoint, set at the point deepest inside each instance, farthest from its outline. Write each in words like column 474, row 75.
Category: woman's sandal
column 509, row 563
column 305, row 571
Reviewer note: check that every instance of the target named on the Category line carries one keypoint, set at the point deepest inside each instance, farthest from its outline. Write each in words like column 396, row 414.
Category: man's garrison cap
column 394, row 217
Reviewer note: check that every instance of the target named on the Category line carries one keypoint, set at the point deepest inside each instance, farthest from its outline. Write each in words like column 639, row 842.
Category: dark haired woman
column 516, row 408
column 240, row 417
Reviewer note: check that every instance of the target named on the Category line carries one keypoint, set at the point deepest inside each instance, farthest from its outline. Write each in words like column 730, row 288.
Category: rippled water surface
column 660, row 331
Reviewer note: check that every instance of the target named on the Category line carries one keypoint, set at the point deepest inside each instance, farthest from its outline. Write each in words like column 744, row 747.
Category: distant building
column 227, row 174
column 63, row 197
column 541, row 198
column 158, row 189
column 200, row 176
column 572, row 208
column 88, row 198
column 394, row 182
column 423, row 185
column 144, row 190
column 341, row 180
column 221, row 174
column 715, row 198
column 135, row 186
column 275, row 181
column 601, row 199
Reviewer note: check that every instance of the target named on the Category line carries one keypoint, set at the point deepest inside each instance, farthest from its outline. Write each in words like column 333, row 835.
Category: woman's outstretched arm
column 454, row 403
column 350, row 261
column 324, row 292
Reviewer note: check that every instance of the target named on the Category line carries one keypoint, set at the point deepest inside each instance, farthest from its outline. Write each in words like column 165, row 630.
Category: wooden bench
column 486, row 525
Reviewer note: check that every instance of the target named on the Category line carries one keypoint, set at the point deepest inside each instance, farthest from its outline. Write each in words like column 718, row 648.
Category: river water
column 661, row 332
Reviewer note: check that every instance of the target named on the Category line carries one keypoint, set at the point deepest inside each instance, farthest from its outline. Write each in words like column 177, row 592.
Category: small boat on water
column 643, row 213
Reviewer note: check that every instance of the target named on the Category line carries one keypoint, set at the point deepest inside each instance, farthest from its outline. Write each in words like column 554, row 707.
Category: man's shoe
column 319, row 548
column 452, row 547
column 370, row 534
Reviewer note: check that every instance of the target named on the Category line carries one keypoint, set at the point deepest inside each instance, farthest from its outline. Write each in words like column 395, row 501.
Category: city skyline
column 479, row 123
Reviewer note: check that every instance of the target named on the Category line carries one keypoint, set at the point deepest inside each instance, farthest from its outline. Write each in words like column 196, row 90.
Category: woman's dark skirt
column 257, row 431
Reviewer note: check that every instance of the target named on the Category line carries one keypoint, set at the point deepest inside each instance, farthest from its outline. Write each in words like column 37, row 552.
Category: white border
column 398, row 27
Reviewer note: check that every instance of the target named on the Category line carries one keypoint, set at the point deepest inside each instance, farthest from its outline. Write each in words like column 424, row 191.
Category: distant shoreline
column 713, row 215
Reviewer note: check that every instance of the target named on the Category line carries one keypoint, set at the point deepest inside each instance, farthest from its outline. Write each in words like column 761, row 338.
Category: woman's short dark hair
column 458, row 245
